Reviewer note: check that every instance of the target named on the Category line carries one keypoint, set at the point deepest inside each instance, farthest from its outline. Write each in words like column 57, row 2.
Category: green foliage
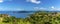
column 40, row 17
column 45, row 18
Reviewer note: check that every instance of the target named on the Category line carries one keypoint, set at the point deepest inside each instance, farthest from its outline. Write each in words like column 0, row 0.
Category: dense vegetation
column 40, row 17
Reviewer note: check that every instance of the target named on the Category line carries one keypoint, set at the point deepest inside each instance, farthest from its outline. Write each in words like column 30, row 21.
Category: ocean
column 20, row 14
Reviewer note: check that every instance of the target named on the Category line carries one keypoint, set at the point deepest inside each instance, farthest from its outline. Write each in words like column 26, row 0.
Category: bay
column 17, row 14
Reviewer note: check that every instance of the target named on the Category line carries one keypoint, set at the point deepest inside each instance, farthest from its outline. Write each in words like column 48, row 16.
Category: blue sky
column 29, row 5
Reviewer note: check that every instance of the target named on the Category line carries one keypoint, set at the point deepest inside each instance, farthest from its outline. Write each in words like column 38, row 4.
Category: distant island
column 22, row 11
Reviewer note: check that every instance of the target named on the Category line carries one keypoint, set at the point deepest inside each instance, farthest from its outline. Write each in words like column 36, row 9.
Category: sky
column 29, row 5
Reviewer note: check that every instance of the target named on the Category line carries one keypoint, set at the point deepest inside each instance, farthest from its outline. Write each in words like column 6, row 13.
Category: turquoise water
column 16, row 14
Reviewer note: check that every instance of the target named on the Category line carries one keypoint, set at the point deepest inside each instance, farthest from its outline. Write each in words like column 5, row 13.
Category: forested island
column 39, row 17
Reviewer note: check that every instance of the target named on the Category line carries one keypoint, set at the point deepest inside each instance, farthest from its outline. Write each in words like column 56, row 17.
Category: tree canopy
column 39, row 17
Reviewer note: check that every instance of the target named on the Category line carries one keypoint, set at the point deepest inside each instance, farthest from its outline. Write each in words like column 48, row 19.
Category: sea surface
column 17, row 14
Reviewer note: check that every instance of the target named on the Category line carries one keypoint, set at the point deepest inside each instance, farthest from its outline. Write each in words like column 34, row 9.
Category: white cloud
column 36, row 8
column 52, row 8
column 1, row 1
column 11, row 9
column 39, row 8
column 34, row 1
column 55, row 9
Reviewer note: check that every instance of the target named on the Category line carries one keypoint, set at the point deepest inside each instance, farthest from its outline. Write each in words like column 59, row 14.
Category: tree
column 44, row 18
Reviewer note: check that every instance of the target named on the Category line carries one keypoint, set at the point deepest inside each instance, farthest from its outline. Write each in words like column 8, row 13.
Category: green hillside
column 40, row 17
